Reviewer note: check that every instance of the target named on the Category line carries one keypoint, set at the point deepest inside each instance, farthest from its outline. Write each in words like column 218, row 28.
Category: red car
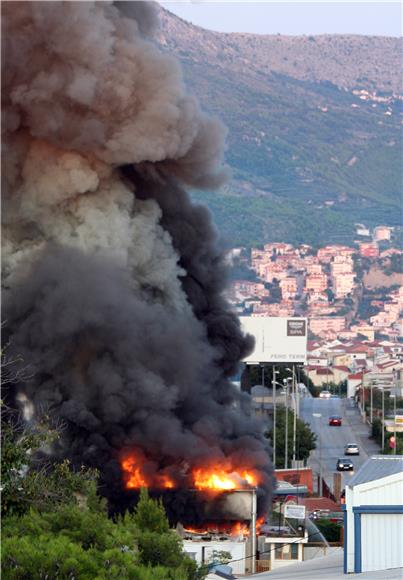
column 335, row 421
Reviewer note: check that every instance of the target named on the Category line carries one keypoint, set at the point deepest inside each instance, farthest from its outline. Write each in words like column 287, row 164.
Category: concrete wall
column 312, row 552
column 296, row 477
column 202, row 551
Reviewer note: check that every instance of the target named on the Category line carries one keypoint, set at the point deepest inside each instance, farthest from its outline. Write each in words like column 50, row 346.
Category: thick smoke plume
column 113, row 279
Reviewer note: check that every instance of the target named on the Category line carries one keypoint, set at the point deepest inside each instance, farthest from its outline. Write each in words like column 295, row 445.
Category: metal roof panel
column 376, row 467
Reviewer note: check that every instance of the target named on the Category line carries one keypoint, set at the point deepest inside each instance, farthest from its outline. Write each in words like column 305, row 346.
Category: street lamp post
column 394, row 422
column 383, row 418
column 274, row 415
column 319, row 416
column 254, row 514
column 371, row 415
column 286, row 428
column 294, row 436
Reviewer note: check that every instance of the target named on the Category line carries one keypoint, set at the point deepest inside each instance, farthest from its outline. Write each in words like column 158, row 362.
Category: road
column 331, row 439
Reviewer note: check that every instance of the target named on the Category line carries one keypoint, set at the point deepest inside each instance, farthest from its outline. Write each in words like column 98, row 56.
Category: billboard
column 294, row 511
column 277, row 339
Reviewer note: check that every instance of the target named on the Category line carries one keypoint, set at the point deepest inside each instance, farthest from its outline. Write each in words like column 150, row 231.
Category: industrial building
column 373, row 516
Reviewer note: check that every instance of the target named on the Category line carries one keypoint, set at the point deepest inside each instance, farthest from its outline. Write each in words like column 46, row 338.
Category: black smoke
column 114, row 279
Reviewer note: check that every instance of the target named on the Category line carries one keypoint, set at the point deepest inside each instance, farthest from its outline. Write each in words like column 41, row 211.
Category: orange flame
column 228, row 528
column 222, row 480
column 137, row 472
column 166, row 482
column 134, row 476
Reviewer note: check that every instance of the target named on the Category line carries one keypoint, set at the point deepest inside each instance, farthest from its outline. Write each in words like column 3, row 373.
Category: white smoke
column 95, row 94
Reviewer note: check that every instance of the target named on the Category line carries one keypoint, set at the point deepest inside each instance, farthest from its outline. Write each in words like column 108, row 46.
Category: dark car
column 344, row 465
column 335, row 421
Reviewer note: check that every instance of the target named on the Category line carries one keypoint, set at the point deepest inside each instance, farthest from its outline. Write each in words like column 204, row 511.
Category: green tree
column 305, row 438
column 149, row 515
column 158, row 545
column 331, row 530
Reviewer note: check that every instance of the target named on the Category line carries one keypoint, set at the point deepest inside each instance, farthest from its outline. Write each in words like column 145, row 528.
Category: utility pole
column 294, row 438
column 262, row 407
column 319, row 416
column 320, row 462
column 286, row 427
column 394, row 422
column 383, row 417
column 254, row 514
column 274, row 415
column 372, row 404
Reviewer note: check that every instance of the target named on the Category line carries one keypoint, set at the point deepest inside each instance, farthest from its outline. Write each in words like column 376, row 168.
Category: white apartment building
column 343, row 284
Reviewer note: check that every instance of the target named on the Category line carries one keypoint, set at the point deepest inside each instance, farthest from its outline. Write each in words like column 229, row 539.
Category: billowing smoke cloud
column 113, row 279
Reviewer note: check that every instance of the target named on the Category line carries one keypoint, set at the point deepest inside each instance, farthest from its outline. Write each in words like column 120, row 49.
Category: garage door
column 381, row 541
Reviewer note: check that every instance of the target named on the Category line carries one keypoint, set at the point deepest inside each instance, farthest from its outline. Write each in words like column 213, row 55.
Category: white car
column 351, row 449
column 324, row 395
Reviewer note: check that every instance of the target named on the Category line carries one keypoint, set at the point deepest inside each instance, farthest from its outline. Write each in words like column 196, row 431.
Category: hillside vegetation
column 309, row 158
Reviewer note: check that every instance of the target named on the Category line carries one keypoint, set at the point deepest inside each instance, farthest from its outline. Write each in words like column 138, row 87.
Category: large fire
column 219, row 479
column 137, row 475
column 227, row 528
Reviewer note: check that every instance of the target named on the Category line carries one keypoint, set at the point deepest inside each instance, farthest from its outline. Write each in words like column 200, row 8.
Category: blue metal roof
column 376, row 467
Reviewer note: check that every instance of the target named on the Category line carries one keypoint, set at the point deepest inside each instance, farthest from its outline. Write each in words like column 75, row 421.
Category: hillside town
column 352, row 297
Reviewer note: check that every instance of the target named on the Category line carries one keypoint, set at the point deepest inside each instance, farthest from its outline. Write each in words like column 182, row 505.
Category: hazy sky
column 296, row 17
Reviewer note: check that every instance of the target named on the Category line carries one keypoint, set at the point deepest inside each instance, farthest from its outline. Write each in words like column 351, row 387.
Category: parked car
column 335, row 421
column 324, row 395
column 344, row 465
column 351, row 449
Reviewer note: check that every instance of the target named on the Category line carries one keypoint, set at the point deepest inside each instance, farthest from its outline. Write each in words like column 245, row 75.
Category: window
column 287, row 551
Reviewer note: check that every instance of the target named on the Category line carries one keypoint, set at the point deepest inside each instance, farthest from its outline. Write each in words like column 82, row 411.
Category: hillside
column 310, row 157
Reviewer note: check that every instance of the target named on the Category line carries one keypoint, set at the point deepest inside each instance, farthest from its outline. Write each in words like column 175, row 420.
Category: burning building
column 112, row 278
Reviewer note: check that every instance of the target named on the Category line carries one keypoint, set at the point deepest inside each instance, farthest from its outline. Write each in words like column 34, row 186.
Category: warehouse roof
column 376, row 467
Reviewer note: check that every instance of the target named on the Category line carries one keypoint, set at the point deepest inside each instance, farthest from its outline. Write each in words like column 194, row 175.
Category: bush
column 56, row 526
column 331, row 530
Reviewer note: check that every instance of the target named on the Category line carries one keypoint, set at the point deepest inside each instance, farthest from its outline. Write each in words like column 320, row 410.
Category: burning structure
column 113, row 278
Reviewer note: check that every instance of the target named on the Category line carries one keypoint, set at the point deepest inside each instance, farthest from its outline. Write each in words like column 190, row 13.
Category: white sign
column 277, row 339
column 399, row 419
column 294, row 511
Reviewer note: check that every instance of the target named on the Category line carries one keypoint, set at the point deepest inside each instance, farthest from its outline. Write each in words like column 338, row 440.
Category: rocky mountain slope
column 314, row 130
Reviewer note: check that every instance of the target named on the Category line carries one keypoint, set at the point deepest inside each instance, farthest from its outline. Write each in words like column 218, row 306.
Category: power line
column 299, row 541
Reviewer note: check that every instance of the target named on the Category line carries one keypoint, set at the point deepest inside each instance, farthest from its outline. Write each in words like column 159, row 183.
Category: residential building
column 325, row 324
column 343, row 284
column 316, row 283
column 340, row 373
column 288, row 287
column 320, row 375
column 341, row 265
column 314, row 268
column 382, row 233
column 369, row 249
column 362, row 230
column 326, row 254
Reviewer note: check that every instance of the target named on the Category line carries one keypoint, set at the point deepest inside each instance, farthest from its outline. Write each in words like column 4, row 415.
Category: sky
column 294, row 17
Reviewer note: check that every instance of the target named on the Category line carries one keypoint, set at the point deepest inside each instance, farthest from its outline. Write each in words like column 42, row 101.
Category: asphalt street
column 331, row 440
